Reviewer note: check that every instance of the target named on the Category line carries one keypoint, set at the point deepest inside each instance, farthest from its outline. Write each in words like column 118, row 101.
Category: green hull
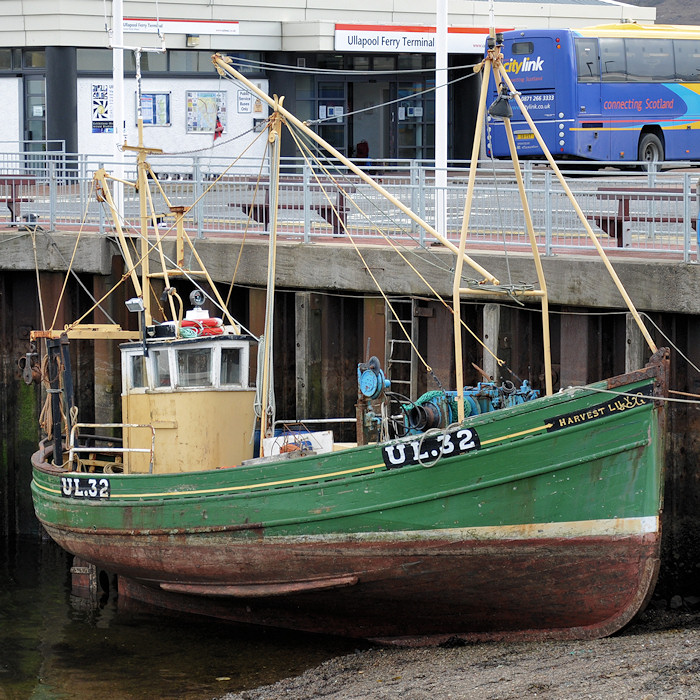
column 575, row 476
column 600, row 468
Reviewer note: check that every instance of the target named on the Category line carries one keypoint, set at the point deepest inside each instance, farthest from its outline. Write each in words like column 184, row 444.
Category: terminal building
column 332, row 65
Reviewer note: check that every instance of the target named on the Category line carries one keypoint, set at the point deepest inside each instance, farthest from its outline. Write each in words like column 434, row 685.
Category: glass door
column 415, row 121
column 35, row 112
column 332, row 101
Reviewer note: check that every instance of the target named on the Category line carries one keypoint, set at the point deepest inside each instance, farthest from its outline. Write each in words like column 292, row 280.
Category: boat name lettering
column 623, row 403
column 82, row 487
column 430, row 448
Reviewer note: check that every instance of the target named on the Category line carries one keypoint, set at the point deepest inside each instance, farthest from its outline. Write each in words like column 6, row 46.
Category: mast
column 267, row 414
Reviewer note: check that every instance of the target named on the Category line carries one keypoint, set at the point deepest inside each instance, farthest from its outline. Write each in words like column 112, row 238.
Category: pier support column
column 374, row 329
column 308, row 340
column 636, row 349
column 106, row 352
column 575, row 350
column 492, row 323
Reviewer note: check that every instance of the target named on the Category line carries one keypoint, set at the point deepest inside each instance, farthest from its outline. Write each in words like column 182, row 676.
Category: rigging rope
column 246, row 63
column 38, row 282
column 247, row 223
column 303, row 148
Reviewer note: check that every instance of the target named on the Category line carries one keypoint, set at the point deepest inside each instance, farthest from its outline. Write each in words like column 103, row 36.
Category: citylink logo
column 527, row 65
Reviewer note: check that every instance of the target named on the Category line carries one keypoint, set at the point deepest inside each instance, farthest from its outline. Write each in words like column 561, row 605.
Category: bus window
column 649, row 60
column 522, row 48
column 612, row 60
column 587, row 60
column 687, row 53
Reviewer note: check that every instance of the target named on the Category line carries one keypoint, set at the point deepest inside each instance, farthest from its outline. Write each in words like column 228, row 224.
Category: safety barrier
column 651, row 212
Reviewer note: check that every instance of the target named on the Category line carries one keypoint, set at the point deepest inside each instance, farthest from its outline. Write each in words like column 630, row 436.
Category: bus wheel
column 651, row 150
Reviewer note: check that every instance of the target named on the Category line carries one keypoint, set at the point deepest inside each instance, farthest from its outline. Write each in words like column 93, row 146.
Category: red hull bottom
column 416, row 592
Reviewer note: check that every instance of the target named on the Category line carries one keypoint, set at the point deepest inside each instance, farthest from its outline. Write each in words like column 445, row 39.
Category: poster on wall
column 102, row 100
column 155, row 108
column 203, row 109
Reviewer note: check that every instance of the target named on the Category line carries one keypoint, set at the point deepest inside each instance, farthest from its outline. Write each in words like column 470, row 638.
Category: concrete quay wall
column 660, row 285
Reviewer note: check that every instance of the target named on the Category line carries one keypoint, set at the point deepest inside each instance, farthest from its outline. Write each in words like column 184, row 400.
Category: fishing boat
column 489, row 512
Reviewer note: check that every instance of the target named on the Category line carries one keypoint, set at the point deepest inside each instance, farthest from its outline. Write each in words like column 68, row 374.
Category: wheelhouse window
column 230, row 366
column 161, row 369
column 194, row 367
column 187, row 365
column 138, row 372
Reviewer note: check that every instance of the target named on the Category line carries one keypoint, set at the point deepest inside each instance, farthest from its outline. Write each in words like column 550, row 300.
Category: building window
column 34, row 58
column 331, row 61
column 384, row 63
column 5, row 59
column 94, row 59
column 191, row 61
column 150, row 62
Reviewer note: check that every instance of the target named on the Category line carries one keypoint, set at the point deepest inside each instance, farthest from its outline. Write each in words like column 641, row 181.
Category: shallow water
column 53, row 646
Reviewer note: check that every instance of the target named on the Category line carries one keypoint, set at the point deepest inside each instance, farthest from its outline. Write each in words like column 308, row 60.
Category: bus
column 621, row 92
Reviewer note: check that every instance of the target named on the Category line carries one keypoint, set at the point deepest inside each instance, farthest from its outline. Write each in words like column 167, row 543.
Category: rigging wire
column 70, row 270
column 412, row 96
column 244, row 63
column 153, row 245
column 304, row 150
column 667, row 399
column 38, row 281
column 380, row 105
column 247, row 224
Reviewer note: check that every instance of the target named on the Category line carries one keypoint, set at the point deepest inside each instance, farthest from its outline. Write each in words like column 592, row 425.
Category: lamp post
column 441, row 116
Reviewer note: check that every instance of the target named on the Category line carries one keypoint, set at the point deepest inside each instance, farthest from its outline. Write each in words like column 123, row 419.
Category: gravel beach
column 657, row 657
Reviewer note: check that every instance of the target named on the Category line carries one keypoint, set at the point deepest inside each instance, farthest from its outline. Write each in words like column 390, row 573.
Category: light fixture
column 192, row 40
column 135, row 305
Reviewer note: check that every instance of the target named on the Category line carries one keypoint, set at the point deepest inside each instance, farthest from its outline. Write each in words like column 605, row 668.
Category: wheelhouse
column 190, row 393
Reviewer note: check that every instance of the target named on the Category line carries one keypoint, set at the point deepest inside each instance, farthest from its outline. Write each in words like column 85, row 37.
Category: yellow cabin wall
column 194, row 430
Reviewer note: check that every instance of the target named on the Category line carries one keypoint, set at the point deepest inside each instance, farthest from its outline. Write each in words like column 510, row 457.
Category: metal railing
column 650, row 212
column 76, row 449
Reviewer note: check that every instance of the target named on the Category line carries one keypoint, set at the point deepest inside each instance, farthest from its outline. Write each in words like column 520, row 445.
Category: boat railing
column 92, row 450
column 56, row 192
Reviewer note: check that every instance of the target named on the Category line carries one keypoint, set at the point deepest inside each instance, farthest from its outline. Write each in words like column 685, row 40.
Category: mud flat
column 657, row 657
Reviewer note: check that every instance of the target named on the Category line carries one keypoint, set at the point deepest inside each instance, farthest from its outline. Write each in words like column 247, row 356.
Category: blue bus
column 622, row 92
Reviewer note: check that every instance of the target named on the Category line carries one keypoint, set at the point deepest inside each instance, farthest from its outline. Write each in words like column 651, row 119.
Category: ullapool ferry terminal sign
column 394, row 38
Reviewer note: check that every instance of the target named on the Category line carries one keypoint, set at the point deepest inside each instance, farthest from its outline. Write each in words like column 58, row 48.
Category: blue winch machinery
column 436, row 409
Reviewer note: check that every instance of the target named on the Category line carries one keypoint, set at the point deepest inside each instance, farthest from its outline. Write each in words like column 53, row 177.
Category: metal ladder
column 401, row 361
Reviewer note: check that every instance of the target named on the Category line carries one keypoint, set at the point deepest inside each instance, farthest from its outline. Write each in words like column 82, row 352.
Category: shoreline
column 656, row 657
